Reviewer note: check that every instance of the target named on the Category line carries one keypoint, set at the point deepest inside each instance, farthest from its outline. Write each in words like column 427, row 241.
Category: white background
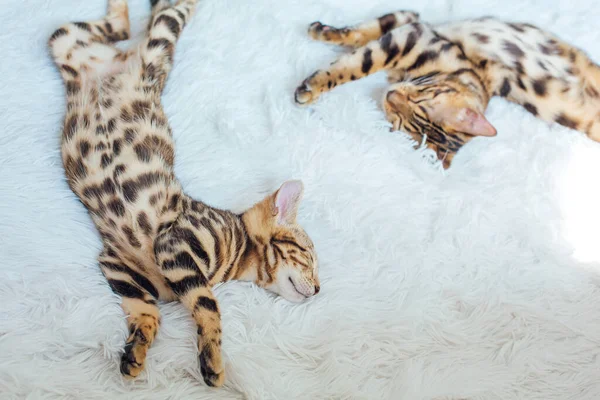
column 477, row 283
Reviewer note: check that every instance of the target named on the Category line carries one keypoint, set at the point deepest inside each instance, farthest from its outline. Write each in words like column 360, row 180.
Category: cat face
column 295, row 276
column 285, row 254
column 448, row 108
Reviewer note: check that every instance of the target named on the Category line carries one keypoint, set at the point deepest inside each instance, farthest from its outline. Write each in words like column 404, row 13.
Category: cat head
column 447, row 107
column 285, row 257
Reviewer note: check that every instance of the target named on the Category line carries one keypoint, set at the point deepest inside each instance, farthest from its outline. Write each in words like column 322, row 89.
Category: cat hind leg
column 363, row 33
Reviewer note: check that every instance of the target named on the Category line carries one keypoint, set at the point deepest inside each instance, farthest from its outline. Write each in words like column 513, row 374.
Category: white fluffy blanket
column 478, row 283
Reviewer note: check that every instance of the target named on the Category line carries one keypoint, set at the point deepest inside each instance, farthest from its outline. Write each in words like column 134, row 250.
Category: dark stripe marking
column 153, row 43
column 143, row 152
column 290, row 242
column 539, row 87
column 105, row 161
column 206, row 224
column 117, row 207
column 367, row 62
column 171, row 23
column 531, row 108
column 207, row 303
column 423, row 58
column 188, row 236
column 130, row 135
column 387, row 22
column 58, row 33
column 125, row 289
column 411, row 40
column 75, row 169
column 207, row 372
column 513, row 49
column 70, row 70
column 138, row 278
column 144, row 223
column 190, row 282
column 505, row 89
column 566, row 121
column 390, row 47
column 181, row 260
column 73, row 87
column 131, row 238
column 84, row 148
column 71, row 126
column 83, row 25
column 145, row 180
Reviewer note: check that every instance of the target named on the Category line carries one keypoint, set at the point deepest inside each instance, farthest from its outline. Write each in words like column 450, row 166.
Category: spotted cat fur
column 159, row 243
column 443, row 76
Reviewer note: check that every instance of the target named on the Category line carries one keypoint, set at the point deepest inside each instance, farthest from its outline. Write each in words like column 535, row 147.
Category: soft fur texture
column 443, row 76
column 477, row 283
column 159, row 244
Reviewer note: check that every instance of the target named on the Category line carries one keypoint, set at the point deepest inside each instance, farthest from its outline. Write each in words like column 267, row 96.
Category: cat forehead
column 302, row 238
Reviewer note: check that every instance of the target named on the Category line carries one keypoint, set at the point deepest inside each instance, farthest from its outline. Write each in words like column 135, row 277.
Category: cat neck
column 230, row 241
column 251, row 263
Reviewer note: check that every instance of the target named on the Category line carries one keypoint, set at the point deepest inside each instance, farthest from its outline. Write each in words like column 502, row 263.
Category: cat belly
column 523, row 48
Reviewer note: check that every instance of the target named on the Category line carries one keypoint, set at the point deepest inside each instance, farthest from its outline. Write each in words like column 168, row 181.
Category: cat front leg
column 187, row 281
column 138, row 300
column 400, row 48
column 205, row 310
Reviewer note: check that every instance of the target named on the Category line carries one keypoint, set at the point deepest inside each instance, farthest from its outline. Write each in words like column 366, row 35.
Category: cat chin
column 293, row 297
column 286, row 290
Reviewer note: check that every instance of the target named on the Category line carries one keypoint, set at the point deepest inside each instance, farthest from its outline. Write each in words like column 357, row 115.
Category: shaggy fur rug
column 475, row 283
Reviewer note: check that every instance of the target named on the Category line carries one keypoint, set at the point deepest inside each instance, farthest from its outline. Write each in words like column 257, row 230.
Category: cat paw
column 304, row 94
column 316, row 28
column 328, row 33
column 211, row 367
column 132, row 361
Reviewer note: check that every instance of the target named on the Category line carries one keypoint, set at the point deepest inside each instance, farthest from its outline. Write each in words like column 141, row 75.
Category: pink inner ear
column 472, row 122
column 287, row 201
column 395, row 98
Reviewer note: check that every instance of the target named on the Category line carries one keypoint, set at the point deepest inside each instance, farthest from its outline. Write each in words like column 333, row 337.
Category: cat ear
column 287, row 200
column 395, row 98
column 474, row 123
column 465, row 120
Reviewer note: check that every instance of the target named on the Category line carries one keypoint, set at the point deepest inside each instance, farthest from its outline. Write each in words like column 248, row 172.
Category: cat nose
column 317, row 289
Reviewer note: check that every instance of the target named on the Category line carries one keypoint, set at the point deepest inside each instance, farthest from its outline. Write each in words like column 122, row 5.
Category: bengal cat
column 443, row 76
column 159, row 243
